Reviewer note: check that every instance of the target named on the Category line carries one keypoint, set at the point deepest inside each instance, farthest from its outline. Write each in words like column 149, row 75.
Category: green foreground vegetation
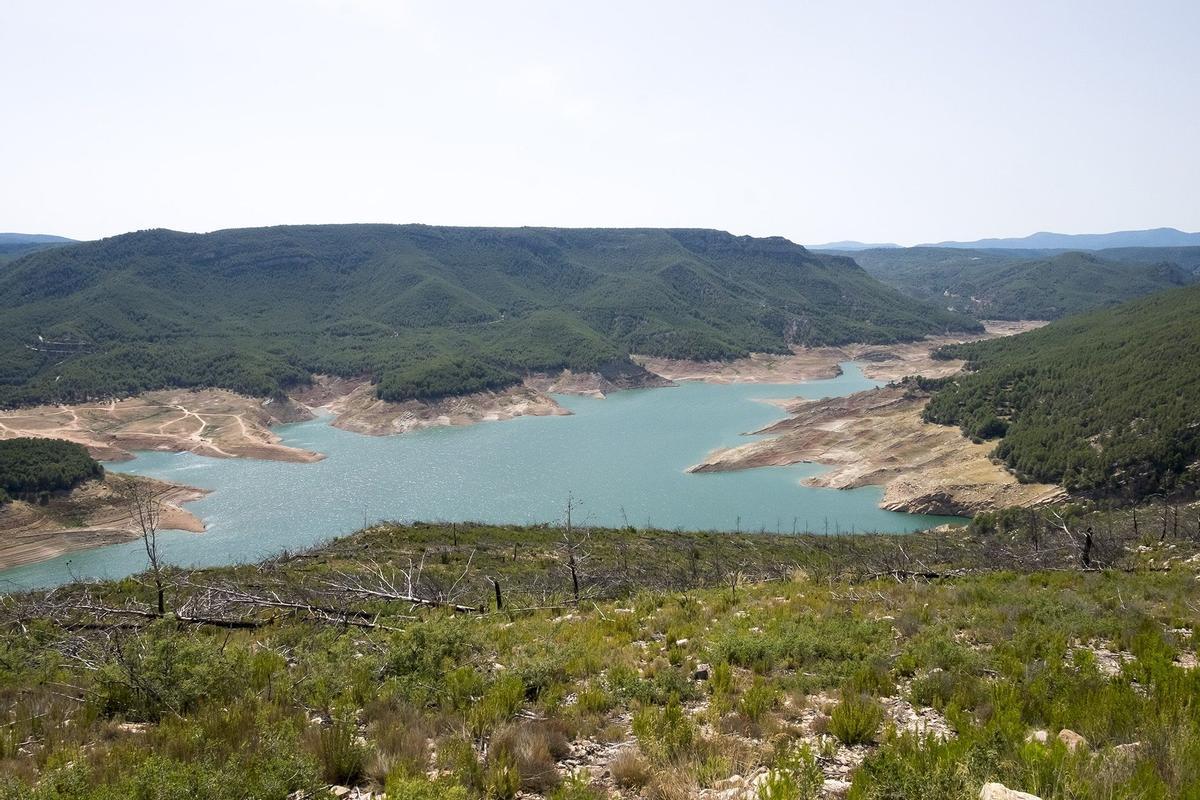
column 36, row 467
column 436, row 661
column 1107, row 402
column 424, row 311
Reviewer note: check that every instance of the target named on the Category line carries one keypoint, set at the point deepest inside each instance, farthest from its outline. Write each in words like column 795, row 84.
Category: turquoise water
column 623, row 458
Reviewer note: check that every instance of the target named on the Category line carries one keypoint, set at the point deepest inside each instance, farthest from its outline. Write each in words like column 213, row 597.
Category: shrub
column 664, row 733
column 532, row 748
column 500, row 703
column 856, row 719
column 407, row 787
column 342, row 759
column 163, row 671
column 795, row 776
column 577, row 787
column 758, row 700
column 873, row 678
column 628, row 769
column 593, row 699
column 401, row 737
column 502, row 778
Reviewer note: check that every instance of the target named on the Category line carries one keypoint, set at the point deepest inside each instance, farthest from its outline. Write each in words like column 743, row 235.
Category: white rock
column 1071, row 739
column 998, row 791
column 1038, row 736
column 835, row 788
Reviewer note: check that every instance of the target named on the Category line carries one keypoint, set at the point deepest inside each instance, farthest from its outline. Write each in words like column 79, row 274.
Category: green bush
column 757, row 700
column 796, row 775
column 339, row 753
column 409, row 787
column 664, row 733
column 856, row 719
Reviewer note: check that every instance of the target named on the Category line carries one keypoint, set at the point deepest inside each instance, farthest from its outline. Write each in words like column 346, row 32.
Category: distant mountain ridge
column 33, row 238
column 850, row 244
column 15, row 245
column 1045, row 240
column 426, row 311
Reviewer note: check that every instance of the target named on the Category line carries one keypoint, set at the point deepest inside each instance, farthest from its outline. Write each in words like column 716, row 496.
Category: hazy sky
column 890, row 121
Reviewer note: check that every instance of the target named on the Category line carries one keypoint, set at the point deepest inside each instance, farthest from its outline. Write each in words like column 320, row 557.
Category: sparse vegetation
column 308, row 670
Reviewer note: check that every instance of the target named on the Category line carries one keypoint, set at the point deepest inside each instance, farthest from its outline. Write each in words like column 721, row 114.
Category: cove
column 622, row 458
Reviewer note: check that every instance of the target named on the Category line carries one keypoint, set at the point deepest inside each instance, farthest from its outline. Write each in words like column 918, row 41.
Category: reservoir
column 622, row 459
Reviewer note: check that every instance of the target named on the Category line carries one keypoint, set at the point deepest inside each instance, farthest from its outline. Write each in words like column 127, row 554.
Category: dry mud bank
column 886, row 362
column 208, row 422
column 878, row 438
column 91, row 515
column 356, row 407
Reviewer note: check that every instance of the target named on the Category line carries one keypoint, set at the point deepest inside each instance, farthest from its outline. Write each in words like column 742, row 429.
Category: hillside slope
column 1107, row 401
column 997, row 285
column 427, row 311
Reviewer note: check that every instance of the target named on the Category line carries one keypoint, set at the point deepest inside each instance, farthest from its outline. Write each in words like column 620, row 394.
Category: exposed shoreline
column 91, row 515
column 877, row 438
column 870, row 438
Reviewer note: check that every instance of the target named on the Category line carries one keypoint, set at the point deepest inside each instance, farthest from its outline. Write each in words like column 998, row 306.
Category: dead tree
column 572, row 552
column 143, row 501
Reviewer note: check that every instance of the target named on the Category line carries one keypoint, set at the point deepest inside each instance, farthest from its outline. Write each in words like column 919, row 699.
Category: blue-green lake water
column 623, row 458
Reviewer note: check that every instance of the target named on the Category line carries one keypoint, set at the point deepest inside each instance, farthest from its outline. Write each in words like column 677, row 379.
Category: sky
column 878, row 121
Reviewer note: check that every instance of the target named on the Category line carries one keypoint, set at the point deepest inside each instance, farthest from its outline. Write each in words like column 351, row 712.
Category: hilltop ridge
column 424, row 311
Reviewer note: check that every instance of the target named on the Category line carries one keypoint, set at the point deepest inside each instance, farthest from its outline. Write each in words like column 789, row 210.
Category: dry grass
column 674, row 783
column 629, row 770
column 534, row 746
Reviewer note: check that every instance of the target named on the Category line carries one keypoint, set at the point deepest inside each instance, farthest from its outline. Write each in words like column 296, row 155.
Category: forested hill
column 1000, row 284
column 1107, row 401
column 427, row 311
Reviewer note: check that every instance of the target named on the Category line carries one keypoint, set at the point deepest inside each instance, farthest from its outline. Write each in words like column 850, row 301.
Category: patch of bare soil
column 878, row 438
column 879, row 362
column 208, row 422
column 91, row 515
column 356, row 408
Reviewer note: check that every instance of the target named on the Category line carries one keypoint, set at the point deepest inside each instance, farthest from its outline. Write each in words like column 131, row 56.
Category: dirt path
column 181, row 421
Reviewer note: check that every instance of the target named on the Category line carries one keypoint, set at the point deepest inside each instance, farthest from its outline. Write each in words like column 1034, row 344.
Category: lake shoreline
column 223, row 425
column 89, row 516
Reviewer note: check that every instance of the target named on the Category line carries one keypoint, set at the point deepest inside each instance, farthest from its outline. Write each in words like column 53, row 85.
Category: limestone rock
column 1071, row 739
column 834, row 788
column 998, row 791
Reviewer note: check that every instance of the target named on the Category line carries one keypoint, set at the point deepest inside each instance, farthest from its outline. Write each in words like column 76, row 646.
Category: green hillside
column 427, row 311
column 1023, row 284
column 1107, row 401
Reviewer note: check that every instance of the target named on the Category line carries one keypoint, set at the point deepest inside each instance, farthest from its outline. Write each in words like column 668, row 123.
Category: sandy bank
column 208, row 422
column 89, row 516
column 879, row 362
column 356, row 407
column 878, row 438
